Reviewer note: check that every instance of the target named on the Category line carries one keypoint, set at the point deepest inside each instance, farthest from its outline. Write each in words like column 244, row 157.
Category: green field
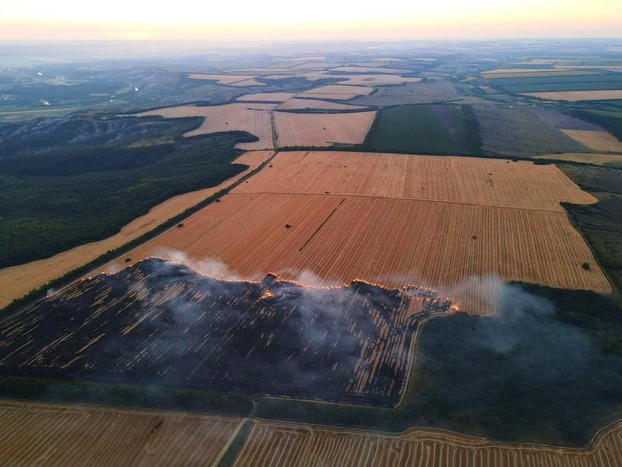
column 559, row 83
column 425, row 129
column 519, row 132
column 80, row 180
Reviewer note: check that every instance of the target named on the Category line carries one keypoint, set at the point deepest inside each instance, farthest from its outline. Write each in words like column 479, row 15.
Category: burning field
column 395, row 220
column 163, row 321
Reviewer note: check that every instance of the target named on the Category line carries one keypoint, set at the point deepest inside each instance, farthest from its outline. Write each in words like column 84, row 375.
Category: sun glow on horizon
column 392, row 18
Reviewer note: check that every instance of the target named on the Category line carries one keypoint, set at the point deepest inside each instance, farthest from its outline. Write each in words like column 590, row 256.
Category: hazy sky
column 276, row 19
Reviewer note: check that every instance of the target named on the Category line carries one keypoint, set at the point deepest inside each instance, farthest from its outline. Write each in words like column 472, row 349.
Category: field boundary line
column 358, row 195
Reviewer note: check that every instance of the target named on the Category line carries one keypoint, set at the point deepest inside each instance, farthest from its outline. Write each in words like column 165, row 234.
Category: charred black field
column 163, row 324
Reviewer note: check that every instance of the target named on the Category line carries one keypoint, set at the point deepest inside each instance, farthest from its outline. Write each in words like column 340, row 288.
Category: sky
column 318, row 19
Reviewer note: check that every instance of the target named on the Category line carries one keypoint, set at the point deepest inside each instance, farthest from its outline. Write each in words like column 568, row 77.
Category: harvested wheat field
column 337, row 92
column 393, row 242
column 375, row 80
column 322, row 130
column 596, row 140
column 487, row 182
column 221, row 79
column 250, row 117
column 315, row 66
column 596, row 159
column 361, row 69
column 574, row 96
column 17, row 281
column 266, row 97
column 314, row 104
column 277, row 444
column 33, row 434
column 247, row 82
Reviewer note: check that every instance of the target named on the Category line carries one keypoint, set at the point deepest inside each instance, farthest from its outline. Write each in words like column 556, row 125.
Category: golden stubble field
column 251, row 117
column 486, row 182
column 17, row 281
column 280, row 444
column 228, row 80
column 574, row 96
column 336, row 92
column 61, row 435
column 596, row 140
column 322, row 130
column 370, row 219
column 315, row 104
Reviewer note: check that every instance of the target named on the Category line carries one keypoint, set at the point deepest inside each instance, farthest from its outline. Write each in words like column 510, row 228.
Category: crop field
column 597, row 159
column 532, row 73
column 409, row 93
column 336, row 91
column 32, row 433
column 360, row 69
column 266, row 97
column 373, row 80
column 321, row 130
column 17, row 281
column 593, row 82
column 276, row 444
column 420, row 129
column 575, row 96
column 564, row 121
column 596, row 140
column 476, row 181
column 394, row 242
column 250, row 117
column 520, row 132
column 163, row 320
column 228, row 80
column 314, row 104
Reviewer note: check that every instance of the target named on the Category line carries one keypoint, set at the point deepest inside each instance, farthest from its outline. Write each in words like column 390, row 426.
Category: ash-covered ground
column 162, row 323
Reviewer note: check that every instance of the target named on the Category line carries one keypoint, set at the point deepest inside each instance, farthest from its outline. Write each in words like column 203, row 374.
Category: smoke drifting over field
column 163, row 321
